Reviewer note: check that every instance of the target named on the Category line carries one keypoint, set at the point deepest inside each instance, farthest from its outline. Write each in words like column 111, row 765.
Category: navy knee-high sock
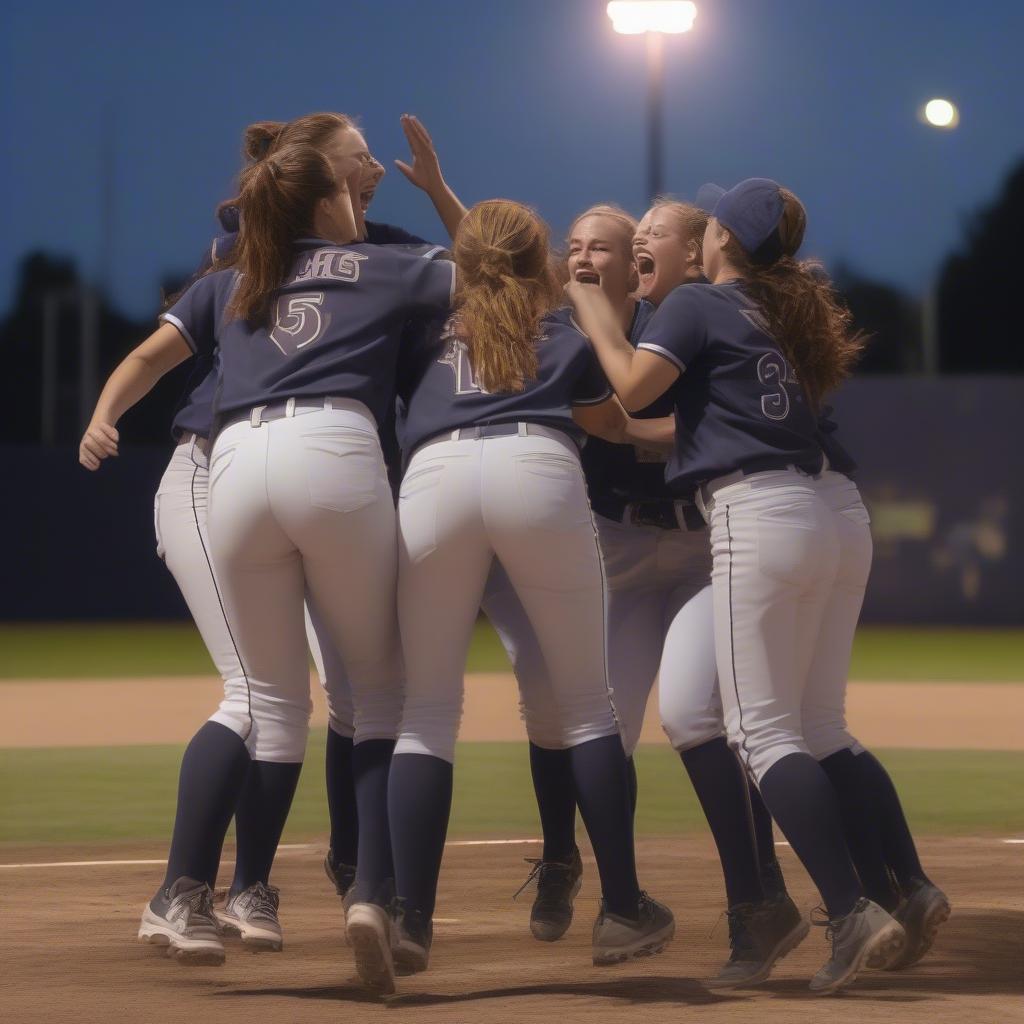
column 212, row 774
column 863, row 834
column 419, row 804
column 772, row 881
column 804, row 805
column 631, row 782
column 371, row 765
column 556, row 801
column 601, row 778
column 341, row 799
column 897, row 842
column 721, row 787
column 259, row 820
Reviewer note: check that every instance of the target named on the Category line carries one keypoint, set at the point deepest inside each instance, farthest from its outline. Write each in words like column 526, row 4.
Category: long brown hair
column 278, row 193
column 805, row 315
column 506, row 286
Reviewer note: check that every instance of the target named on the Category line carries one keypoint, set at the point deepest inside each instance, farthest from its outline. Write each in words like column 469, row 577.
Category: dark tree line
column 978, row 325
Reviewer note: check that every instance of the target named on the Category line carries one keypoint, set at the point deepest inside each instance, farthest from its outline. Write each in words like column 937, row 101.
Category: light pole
column 943, row 115
column 653, row 19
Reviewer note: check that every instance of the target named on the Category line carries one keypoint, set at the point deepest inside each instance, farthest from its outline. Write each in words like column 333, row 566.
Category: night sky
column 536, row 100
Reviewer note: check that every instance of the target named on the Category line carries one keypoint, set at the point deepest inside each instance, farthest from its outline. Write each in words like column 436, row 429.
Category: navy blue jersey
column 334, row 327
column 195, row 410
column 439, row 393
column 838, row 457
column 618, row 474
column 738, row 402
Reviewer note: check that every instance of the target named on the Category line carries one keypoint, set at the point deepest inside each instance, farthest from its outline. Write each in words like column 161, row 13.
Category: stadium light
column 940, row 113
column 653, row 19
column 633, row 17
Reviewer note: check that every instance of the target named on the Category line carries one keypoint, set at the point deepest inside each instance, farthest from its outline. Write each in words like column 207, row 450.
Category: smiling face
column 349, row 145
column 666, row 253
column 599, row 253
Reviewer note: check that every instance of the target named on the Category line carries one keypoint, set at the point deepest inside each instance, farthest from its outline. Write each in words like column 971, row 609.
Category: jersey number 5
column 773, row 372
column 298, row 321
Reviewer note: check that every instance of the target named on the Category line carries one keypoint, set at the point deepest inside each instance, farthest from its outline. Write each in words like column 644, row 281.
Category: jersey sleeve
column 677, row 330
column 429, row 284
column 593, row 387
column 195, row 314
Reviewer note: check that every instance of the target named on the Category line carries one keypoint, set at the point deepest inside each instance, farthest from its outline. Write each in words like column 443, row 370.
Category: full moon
column 941, row 113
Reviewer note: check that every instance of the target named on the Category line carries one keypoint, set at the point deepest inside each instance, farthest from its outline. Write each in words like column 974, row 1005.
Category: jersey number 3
column 298, row 321
column 773, row 372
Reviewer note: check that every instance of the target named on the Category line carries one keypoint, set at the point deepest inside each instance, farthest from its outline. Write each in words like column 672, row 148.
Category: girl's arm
column 609, row 421
column 133, row 379
column 638, row 377
column 425, row 173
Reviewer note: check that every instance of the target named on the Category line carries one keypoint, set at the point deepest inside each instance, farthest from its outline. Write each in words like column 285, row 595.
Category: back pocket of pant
column 552, row 490
column 344, row 468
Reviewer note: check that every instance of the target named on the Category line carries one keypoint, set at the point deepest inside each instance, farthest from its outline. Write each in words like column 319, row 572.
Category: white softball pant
column 784, row 611
column 522, row 500
column 301, row 506
column 180, row 509
column 658, row 618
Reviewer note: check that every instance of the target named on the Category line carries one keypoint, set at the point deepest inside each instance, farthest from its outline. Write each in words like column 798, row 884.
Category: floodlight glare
column 941, row 113
column 633, row 17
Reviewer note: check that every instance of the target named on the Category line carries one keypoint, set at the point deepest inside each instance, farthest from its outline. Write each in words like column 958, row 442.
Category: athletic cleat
column 252, row 914
column 341, row 875
column 617, row 939
column 369, row 934
column 557, row 886
column 411, row 937
column 921, row 913
column 760, row 935
column 182, row 919
column 864, row 933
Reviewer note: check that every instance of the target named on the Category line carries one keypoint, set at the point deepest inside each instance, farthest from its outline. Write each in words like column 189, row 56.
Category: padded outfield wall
column 942, row 471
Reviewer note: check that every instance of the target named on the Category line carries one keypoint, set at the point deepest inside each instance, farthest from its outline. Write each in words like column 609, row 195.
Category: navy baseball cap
column 752, row 211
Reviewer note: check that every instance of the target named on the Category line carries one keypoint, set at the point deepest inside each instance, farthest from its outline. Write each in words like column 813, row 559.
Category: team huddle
column 620, row 453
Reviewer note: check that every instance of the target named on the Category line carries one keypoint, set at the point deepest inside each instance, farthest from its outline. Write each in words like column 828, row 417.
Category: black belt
column 664, row 513
column 769, row 465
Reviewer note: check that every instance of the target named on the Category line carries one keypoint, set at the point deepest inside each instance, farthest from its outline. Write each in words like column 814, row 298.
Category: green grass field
column 126, row 794
column 102, row 650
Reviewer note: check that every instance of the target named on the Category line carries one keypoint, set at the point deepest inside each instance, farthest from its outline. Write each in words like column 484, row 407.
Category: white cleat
column 252, row 915
column 368, row 927
column 181, row 918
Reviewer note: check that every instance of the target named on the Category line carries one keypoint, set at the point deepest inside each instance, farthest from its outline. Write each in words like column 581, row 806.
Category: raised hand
column 425, row 171
column 98, row 442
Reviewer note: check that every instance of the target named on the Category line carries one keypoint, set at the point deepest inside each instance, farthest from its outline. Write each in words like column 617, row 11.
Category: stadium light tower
column 653, row 19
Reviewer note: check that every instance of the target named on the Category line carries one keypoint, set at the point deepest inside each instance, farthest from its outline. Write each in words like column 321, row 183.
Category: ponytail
column 806, row 317
column 507, row 286
column 260, row 138
column 277, row 201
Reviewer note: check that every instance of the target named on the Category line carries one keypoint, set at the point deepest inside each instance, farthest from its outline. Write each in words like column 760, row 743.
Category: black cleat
column 411, row 937
column 557, row 886
column 760, row 935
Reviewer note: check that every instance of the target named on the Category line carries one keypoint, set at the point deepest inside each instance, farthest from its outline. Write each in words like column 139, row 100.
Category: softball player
column 657, row 563
column 180, row 518
column 495, row 476
column 316, row 377
column 748, row 359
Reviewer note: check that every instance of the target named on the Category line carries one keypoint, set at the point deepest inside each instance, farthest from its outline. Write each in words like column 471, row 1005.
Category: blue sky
column 537, row 100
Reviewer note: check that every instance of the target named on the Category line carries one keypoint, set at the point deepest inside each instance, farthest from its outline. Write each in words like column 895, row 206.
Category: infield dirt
column 112, row 712
column 69, row 950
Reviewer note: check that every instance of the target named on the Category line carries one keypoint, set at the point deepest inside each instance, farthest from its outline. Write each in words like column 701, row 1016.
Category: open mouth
column 588, row 277
column 365, row 198
column 644, row 264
